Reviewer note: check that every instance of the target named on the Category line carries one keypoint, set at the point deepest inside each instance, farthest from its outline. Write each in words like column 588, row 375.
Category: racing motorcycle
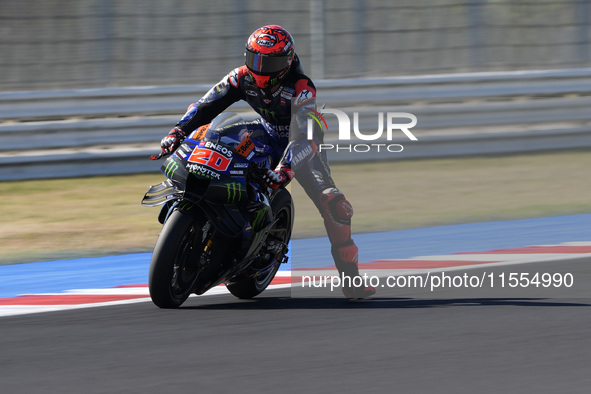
column 221, row 224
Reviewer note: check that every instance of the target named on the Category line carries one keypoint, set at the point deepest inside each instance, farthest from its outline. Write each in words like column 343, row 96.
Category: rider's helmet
column 269, row 54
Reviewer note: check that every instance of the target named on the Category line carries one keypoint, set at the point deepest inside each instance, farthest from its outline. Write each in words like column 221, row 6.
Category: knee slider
column 338, row 206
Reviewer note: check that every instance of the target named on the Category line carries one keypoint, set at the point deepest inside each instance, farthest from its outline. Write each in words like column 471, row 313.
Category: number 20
column 210, row 158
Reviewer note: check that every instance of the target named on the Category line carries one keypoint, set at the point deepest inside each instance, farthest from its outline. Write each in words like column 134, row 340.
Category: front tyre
column 175, row 261
column 279, row 234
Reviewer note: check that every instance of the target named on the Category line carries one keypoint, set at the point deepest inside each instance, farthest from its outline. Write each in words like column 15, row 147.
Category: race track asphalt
column 397, row 342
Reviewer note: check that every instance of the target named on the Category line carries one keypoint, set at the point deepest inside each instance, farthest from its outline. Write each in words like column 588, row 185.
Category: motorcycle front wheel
column 175, row 262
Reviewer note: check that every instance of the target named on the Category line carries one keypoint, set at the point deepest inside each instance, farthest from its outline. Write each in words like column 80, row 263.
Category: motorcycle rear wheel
column 283, row 213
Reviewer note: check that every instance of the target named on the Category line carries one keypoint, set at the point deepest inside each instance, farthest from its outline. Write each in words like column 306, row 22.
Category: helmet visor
column 265, row 64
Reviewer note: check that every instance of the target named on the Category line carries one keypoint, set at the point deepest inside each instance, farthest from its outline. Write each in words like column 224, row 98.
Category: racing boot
column 346, row 261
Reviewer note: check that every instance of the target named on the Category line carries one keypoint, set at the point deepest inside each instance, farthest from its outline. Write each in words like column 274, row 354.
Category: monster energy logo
column 186, row 206
column 234, row 192
column 267, row 113
column 259, row 219
column 171, row 168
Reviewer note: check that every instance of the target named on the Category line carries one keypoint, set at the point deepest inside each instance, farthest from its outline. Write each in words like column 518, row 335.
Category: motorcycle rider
column 273, row 83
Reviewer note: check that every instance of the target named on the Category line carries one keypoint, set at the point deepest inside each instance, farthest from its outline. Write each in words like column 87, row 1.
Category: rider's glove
column 172, row 140
column 278, row 178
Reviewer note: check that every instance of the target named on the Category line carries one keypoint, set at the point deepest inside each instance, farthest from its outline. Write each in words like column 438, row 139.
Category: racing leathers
column 295, row 95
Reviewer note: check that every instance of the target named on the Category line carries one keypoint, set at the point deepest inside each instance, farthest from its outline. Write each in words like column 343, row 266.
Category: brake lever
column 158, row 156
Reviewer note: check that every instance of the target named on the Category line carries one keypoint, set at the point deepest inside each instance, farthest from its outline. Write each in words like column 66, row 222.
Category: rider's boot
column 346, row 261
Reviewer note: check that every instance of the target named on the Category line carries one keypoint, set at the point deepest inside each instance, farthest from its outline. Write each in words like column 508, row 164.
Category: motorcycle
column 221, row 224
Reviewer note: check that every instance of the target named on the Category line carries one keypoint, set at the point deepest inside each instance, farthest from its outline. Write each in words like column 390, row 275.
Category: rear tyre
column 280, row 233
column 175, row 261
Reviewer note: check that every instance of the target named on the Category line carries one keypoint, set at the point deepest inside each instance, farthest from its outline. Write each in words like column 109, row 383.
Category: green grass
column 410, row 194
column 65, row 218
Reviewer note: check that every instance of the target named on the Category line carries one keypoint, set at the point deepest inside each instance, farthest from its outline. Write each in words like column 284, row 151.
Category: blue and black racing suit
column 296, row 92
